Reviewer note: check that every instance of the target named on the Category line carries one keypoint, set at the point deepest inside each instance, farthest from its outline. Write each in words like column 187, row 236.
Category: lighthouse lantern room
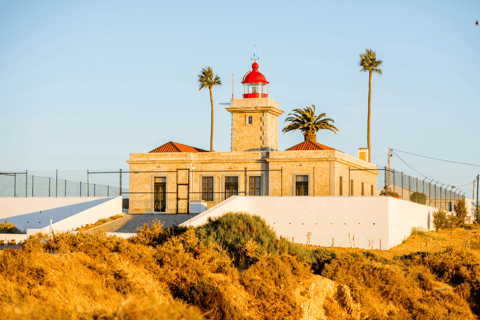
column 254, row 84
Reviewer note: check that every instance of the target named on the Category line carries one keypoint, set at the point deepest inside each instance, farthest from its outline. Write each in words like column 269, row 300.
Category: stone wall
column 277, row 170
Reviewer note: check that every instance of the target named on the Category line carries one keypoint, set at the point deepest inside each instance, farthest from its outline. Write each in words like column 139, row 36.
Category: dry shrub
column 389, row 289
column 7, row 227
column 199, row 274
column 155, row 235
column 149, row 309
column 100, row 222
column 440, row 220
column 272, row 281
column 461, row 269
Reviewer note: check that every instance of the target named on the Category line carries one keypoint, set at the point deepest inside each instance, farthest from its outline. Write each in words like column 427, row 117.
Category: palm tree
column 207, row 80
column 306, row 121
column 369, row 62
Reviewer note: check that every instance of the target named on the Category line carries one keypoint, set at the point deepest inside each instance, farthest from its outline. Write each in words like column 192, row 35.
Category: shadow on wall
column 41, row 219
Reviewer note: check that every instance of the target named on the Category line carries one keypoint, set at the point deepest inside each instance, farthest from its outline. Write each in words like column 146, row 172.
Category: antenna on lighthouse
column 255, row 57
column 232, row 85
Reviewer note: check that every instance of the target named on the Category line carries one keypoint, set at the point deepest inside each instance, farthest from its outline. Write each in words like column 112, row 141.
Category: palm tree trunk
column 369, row 115
column 310, row 135
column 211, row 129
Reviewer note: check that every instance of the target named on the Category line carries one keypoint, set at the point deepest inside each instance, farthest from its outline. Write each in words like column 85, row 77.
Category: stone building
column 174, row 176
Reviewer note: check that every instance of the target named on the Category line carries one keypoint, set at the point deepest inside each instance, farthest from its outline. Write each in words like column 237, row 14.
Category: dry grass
column 187, row 273
column 100, row 222
column 431, row 275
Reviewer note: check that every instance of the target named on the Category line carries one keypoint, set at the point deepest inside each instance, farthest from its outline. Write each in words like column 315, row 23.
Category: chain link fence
column 431, row 193
column 48, row 183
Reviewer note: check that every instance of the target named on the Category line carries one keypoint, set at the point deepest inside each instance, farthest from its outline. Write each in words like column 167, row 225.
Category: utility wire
column 417, row 170
column 457, row 162
column 409, row 165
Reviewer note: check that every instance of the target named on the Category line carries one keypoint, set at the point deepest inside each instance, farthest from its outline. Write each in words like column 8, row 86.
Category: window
column 207, row 188
column 250, row 120
column 363, row 189
column 160, row 194
column 301, row 185
column 351, row 187
column 341, row 186
column 255, row 189
column 231, row 187
column 371, row 190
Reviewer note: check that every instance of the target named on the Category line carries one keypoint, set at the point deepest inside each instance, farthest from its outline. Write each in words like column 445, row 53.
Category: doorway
column 160, row 194
column 231, row 187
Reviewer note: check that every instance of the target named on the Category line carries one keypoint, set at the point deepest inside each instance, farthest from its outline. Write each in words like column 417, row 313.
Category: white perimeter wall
column 101, row 211
column 346, row 221
column 16, row 206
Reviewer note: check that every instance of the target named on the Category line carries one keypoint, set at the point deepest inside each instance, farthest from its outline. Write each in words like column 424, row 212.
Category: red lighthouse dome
column 254, row 83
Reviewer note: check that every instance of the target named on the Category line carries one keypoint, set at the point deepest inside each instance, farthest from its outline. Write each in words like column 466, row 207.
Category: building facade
column 173, row 176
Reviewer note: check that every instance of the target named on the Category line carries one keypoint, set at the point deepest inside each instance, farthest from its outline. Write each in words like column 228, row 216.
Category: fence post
column 384, row 181
column 94, row 189
column 26, row 182
column 478, row 178
column 108, row 191
column 409, row 185
column 49, row 186
column 65, row 187
column 33, row 183
column 88, row 183
column 56, row 184
column 402, row 185
column 121, row 185
column 80, row 189
column 394, row 174
column 15, row 184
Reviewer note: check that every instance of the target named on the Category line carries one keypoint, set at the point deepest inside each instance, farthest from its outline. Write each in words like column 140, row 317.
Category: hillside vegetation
column 235, row 267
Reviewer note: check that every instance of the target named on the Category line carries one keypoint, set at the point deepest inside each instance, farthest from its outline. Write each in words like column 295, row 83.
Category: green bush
column 440, row 220
column 460, row 210
column 232, row 231
column 7, row 227
column 418, row 197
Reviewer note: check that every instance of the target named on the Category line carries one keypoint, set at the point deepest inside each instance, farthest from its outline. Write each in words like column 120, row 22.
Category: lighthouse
column 255, row 116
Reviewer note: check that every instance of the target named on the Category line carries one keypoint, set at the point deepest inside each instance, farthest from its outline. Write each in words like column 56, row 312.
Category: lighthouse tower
column 255, row 117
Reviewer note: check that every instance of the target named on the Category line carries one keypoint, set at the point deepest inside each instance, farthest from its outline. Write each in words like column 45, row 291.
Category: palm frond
column 369, row 62
column 305, row 120
column 206, row 78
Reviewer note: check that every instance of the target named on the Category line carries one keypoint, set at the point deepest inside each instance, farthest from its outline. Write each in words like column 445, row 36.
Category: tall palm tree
column 207, row 80
column 306, row 121
column 369, row 63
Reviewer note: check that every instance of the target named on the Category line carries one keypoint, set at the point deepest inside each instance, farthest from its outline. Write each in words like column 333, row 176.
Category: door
column 160, row 194
column 231, row 187
column 255, row 189
column 301, row 185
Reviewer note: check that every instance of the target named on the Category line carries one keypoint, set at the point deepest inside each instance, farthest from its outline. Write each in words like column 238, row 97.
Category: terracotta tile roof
column 309, row 145
column 176, row 147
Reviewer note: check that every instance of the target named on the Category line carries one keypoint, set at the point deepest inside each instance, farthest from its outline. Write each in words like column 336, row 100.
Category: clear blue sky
column 85, row 83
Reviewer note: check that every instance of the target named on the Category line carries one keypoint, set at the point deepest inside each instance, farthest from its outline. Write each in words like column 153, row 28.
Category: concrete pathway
column 131, row 222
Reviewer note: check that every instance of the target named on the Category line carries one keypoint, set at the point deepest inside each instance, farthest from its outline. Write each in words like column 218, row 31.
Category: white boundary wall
column 16, row 206
column 101, row 211
column 363, row 222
